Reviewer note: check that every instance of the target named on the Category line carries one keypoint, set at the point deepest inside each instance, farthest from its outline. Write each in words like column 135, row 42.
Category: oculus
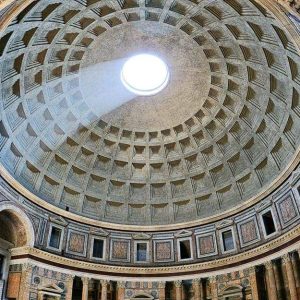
column 145, row 74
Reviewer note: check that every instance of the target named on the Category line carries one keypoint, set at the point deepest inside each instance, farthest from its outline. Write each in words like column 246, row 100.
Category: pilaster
column 69, row 286
column 197, row 289
column 85, row 288
column 25, row 282
column 296, row 270
column 272, row 291
column 178, row 289
column 286, row 261
column 213, row 287
column 121, row 290
column 162, row 290
column 104, row 285
column 253, row 283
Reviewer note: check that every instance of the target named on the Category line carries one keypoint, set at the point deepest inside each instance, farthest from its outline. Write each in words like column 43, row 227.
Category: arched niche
column 17, row 228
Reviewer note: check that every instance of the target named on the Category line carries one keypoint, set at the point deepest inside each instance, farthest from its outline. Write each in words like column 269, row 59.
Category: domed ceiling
column 224, row 129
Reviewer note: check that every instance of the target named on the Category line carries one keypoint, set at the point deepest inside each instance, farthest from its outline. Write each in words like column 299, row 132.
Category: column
column 197, row 289
column 104, row 284
column 272, row 292
column 162, row 290
column 214, row 288
column 85, row 288
column 98, row 295
column 178, row 290
column 281, row 285
column 121, row 290
column 296, row 270
column 25, row 282
column 69, row 286
column 286, row 261
column 253, row 283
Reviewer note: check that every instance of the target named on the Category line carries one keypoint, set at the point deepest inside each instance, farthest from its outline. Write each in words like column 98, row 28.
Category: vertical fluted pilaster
column 85, row 288
column 272, row 291
column 69, row 286
column 162, row 290
column 286, row 261
column 197, row 289
column 104, row 285
column 253, row 283
column 178, row 289
column 213, row 287
column 121, row 290
column 25, row 282
column 296, row 271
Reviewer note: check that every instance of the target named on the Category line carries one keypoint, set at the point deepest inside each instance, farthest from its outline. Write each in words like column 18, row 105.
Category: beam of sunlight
column 102, row 87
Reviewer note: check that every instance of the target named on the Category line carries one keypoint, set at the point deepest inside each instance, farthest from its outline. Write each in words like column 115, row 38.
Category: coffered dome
column 222, row 132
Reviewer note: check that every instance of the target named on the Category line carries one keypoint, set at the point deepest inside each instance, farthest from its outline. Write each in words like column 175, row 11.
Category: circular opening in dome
column 145, row 74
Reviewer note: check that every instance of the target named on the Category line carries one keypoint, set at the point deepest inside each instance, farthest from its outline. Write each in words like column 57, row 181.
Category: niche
column 228, row 242
column 269, row 224
column 141, row 252
column 98, row 247
column 55, row 237
column 185, row 249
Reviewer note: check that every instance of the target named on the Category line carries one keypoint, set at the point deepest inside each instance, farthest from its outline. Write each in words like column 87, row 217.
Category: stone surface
column 225, row 128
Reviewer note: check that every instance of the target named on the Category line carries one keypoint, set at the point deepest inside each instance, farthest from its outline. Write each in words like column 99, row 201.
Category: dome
column 149, row 149
column 222, row 134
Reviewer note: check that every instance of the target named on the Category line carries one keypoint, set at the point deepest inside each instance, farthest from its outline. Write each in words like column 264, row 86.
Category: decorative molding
column 178, row 283
column 224, row 223
column 269, row 265
column 99, row 231
column 58, row 220
column 286, row 258
column 183, row 233
column 141, row 236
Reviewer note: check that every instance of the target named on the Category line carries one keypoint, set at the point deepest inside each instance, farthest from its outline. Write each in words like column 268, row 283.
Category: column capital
column 178, row 283
column 196, row 281
column 268, row 265
column 213, row 279
column 286, row 258
column 70, row 277
column 104, row 282
column 27, row 267
column 85, row 280
column 252, row 270
column 121, row 284
column 161, row 284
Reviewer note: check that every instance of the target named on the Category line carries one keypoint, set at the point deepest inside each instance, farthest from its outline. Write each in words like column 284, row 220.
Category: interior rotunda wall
column 237, row 239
